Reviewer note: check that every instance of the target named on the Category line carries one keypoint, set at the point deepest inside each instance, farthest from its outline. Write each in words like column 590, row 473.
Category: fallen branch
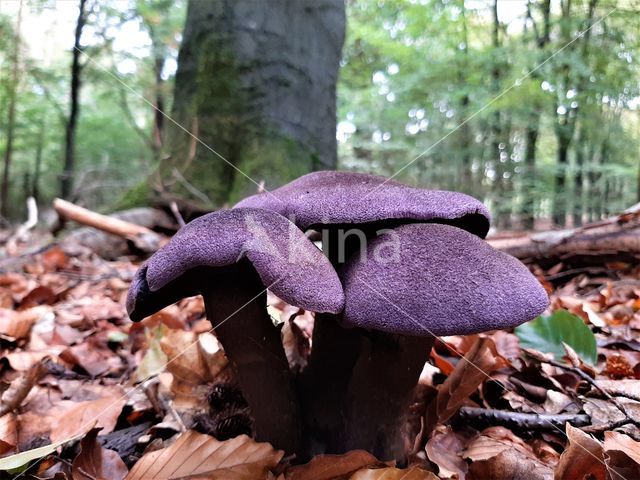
column 591, row 381
column 143, row 238
column 613, row 239
column 525, row 421
column 21, row 233
column 13, row 397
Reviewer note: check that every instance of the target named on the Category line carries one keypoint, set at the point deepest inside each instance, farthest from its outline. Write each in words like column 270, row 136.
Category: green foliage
column 423, row 87
column 424, row 84
column 547, row 334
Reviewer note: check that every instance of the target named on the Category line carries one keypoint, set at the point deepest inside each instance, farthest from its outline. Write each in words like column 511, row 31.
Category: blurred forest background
column 532, row 106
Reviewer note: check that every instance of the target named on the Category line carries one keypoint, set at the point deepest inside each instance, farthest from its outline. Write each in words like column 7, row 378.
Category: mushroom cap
column 432, row 279
column 347, row 198
column 290, row 265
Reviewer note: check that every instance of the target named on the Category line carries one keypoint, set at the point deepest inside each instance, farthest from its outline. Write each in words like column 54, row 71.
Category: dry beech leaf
column 582, row 458
column 94, row 462
column 498, row 454
column 8, row 433
column 104, row 412
column 481, row 359
column 194, row 361
column 445, row 450
column 510, row 465
column 17, row 325
column 191, row 359
column 622, row 456
column 492, row 441
column 391, row 473
column 507, row 344
column 13, row 396
column 195, row 455
column 330, row 467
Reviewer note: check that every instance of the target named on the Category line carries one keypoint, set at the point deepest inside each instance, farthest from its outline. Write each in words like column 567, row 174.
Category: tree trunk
column 559, row 192
column 66, row 181
column 256, row 83
column 498, row 143
column 11, row 117
column 37, row 168
column 158, row 115
column 532, row 130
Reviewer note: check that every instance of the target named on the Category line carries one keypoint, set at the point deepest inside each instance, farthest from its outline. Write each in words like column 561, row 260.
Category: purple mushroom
column 231, row 257
column 415, row 282
column 349, row 208
column 324, row 199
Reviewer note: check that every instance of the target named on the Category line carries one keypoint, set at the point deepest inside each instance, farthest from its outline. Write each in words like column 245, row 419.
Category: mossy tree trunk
column 256, row 82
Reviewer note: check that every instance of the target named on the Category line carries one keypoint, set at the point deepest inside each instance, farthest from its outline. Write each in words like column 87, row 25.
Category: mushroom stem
column 334, row 351
column 236, row 306
column 381, row 387
column 324, row 382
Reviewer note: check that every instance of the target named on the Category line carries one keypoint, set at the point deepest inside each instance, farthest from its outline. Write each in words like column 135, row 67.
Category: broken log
column 615, row 239
column 142, row 237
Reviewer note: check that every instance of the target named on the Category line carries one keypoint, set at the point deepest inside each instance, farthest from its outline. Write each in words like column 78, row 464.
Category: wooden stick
column 143, row 238
column 528, row 421
column 613, row 239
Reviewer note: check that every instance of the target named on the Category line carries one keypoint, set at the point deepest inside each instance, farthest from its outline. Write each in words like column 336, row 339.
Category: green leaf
column 546, row 334
column 19, row 460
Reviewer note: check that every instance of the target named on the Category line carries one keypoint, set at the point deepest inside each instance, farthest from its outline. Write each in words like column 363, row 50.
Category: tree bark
column 614, row 239
column 259, row 81
column 532, row 130
column 66, row 180
column 11, row 117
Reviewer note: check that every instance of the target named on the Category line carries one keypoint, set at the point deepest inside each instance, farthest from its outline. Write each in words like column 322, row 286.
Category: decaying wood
column 13, row 397
column 613, row 239
column 526, row 421
column 142, row 237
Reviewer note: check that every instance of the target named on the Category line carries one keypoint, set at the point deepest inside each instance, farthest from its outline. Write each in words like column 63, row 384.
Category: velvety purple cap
column 290, row 265
column 347, row 198
column 422, row 279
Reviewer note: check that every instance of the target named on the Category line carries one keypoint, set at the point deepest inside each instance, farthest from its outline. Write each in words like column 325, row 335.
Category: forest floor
column 96, row 394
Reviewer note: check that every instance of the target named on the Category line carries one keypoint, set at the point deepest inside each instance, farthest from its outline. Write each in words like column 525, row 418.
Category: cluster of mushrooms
column 401, row 265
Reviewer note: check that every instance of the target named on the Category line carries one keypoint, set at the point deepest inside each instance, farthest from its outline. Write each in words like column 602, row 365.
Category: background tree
column 12, row 89
column 66, row 179
column 255, row 82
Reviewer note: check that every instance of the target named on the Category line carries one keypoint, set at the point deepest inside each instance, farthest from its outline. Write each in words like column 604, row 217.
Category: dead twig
column 13, row 397
column 143, row 238
column 528, row 421
column 584, row 376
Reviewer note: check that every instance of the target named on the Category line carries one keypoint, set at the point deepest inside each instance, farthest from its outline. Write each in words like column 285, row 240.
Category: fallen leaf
column 510, row 465
column 622, row 456
column 54, row 259
column 200, row 456
column 492, row 442
column 8, row 433
column 445, row 450
column 94, row 462
column 23, row 458
column 470, row 372
column 103, row 412
column 329, row 467
column 154, row 360
column 547, row 334
column 583, row 457
column 394, row 474
column 17, row 325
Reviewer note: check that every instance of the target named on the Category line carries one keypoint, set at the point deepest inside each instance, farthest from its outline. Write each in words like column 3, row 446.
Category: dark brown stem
column 381, row 387
column 236, row 306
column 525, row 421
column 324, row 382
